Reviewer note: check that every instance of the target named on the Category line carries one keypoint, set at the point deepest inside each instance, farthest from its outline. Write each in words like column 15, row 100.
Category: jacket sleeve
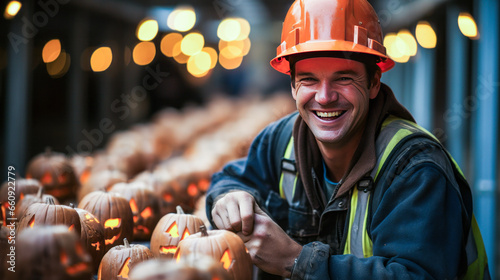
column 416, row 232
column 255, row 174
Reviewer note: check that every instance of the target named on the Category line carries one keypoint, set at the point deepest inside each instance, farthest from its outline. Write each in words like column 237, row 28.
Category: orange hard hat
column 331, row 25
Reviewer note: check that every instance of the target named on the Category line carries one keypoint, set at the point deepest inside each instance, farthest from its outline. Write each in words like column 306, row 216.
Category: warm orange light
column 226, row 259
column 21, row 197
column 51, row 50
column 85, row 176
column 185, row 234
column 32, row 221
column 192, row 189
column 168, row 42
column 167, row 197
column 178, row 257
column 135, row 218
column 64, row 258
column 133, row 206
column 173, row 230
column 146, row 213
column 112, row 240
column 88, row 217
column 4, row 215
column 101, row 59
column 71, row 228
column 62, row 179
column 112, row 223
column 77, row 268
column 125, row 269
column 147, row 30
column 97, row 245
column 168, row 249
column 46, row 179
column 12, row 9
column 203, row 184
column 230, row 63
column 144, row 53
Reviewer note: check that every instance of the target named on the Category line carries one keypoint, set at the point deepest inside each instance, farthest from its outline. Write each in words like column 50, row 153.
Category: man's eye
column 307, row 79
column 345, row 79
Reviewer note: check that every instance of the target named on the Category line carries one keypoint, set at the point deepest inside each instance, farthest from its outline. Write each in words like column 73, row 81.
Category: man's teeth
column 328, row 114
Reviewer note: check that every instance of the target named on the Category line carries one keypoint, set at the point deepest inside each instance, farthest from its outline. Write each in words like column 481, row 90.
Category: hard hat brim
column 281, row 64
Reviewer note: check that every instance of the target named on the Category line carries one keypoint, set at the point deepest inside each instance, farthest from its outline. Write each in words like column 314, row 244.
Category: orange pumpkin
column 101, row 180
column 222, row 245
column 170, row 230
column 145, row 207
column 55, row 173
column 114, row 212
column 17, row 189
column 51, row 252
column 92, row 236
column 29, row 199
column 117, row 262
column 50, row 214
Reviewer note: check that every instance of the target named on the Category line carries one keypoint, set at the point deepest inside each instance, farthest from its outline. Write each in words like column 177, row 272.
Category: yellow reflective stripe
column 478, row 268
column 367, row 242
column 354, row 205
column 288, row 152
column 402, row 133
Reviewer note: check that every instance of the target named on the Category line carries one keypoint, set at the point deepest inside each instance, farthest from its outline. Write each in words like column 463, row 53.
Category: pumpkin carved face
column 170, row 230
column 20, row 188
column 92, row 236
column 50, row 214
column 222, row 245
column 117, row 262
column 114, row 212
column 55, row 173
column 144, row 205
column 52, row 252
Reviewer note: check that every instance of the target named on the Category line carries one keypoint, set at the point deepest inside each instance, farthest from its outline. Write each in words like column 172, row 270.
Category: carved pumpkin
column 145, row 207
column 82, row 164
column 101, row 181
column 20, row 188
column 117, row 262
column 222, row 245
column 5, row 233
column 55, row 173
column 50, row 214
column 170, row 230
column 92, row 236
column 29, row 199
column 51, row 252
column 202, row 268
column 114, row 212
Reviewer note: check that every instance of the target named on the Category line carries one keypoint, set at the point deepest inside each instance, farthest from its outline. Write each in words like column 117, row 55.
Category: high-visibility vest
column 358, row 241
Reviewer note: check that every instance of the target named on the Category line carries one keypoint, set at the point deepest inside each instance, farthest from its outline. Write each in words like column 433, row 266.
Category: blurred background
column 80, row 76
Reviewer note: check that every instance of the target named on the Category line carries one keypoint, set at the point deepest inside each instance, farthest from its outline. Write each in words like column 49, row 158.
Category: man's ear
column 375, row 84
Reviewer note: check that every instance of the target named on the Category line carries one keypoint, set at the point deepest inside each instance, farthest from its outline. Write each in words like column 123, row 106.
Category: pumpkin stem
column 39, row 193
column 126, row 243
column 179, row 209
column 50, row 201
column 72, row 205
column 203, row 230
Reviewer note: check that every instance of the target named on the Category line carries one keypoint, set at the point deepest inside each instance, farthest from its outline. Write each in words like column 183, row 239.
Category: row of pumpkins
column 136, row 190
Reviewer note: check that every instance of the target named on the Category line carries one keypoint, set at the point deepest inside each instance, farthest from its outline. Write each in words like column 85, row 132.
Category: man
column 372, row 195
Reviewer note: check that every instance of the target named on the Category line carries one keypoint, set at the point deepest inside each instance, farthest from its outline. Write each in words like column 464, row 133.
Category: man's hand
column 235, row 212
column 271, row 249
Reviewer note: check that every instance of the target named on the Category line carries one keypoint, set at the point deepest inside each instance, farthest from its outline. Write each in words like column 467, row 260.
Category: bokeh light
column 12, row 9
column 101, row 59
column 144, row 53
column 229, row 29
column 147, row 30
column 409, row 40
column 182, row 19
column 467, row 25
column 60, row 66
column 51, row 50
column 168, row 42
column 192, row 43
column 396, row 47
column 213, row 56
column 426, row 37
column 199, row 64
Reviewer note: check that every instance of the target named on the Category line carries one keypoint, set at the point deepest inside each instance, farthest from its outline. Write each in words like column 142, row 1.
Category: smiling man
column 349, row 187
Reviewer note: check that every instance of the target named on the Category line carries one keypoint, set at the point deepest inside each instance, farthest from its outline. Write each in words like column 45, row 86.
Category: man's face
column 332, row 96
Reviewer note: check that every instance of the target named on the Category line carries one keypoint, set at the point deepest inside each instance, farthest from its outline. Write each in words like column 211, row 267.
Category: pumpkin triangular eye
column 133, row 206
column 173, row 230
column 32, row 222
column 146, row 213
column 64, row 258
column 46, row 179
column 185, row 234
column 125, row 269
column 226, row 260
column 112, row 223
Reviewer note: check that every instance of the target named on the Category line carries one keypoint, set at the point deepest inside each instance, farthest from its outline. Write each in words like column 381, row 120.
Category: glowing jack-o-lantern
column 117, row 262
column 19, row 188
column 50, row 214
column 30, row 199
column 202, row 267
column 92, row 236
column 170, row 230
column 55, row 173
column 114, row 212
column 145, row 207
column 222, row 245
column 51, row 252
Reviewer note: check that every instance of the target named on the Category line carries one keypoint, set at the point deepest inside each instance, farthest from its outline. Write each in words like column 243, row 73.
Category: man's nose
column 326, row 94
